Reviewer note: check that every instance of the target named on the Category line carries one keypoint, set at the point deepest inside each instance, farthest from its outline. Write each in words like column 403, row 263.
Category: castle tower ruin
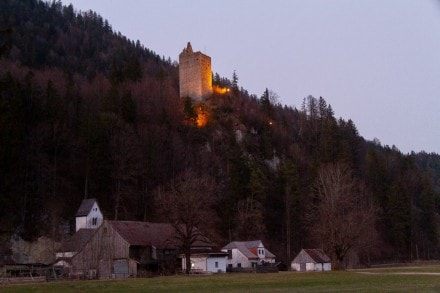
column 195, row 75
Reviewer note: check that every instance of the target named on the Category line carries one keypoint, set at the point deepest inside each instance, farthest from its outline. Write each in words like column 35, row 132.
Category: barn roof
column 77, row 241
column 160, row 235
column 318, row 255
column 248, row 248
column 311, row 255
column 85, row 207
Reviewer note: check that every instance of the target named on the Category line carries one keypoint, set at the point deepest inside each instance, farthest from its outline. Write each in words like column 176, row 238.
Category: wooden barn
column 311, row 260
column 118, row 249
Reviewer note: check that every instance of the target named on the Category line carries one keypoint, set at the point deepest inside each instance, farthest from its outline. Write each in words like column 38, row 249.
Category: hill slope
column 85, row 112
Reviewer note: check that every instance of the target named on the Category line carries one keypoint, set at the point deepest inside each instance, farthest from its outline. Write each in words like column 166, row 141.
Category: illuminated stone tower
column 195, row 75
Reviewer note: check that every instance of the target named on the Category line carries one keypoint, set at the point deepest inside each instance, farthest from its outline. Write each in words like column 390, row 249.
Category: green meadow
column 401, row 279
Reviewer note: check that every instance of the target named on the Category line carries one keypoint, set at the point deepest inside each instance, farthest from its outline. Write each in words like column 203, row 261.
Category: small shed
column 311, row 260
column 205, row 261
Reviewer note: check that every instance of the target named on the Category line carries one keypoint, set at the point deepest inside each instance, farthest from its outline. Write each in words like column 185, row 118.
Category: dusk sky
column 376, row 62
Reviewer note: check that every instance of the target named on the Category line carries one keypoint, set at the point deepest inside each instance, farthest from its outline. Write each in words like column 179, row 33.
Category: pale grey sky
column 376, row 62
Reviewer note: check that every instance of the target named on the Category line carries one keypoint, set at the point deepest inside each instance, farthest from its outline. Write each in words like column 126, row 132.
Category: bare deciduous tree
column 125, row 158
column 249, row 219
column 343, row 215
column 186, row 203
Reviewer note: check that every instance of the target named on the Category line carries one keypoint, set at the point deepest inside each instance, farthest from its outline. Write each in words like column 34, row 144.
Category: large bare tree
column 186, row 202
column 125, row 159
column 343, row 216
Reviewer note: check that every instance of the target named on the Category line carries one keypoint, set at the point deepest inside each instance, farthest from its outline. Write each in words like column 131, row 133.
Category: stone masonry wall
column 195, row 75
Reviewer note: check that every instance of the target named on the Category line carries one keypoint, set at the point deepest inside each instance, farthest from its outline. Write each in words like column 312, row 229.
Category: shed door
column 120, row 267
column 302, row 267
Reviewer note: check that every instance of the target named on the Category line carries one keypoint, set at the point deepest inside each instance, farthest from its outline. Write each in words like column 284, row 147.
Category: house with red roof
column 247, row 254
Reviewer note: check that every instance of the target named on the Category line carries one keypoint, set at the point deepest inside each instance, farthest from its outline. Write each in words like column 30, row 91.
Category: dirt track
column 400, row 273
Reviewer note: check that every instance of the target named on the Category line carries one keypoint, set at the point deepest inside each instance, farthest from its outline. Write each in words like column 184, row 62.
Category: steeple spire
column 189, row 48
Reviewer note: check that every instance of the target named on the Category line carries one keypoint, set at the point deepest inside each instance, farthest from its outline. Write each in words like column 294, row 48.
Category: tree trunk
column 117, row 199
column 287, row 227
column 188, row 260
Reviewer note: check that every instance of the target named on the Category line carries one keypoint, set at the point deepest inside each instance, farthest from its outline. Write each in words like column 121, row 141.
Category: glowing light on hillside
column 220, row 90
column 202, row 116
column 202, row 120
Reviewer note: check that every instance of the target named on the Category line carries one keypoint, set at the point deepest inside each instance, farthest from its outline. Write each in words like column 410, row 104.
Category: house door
column 302, row 267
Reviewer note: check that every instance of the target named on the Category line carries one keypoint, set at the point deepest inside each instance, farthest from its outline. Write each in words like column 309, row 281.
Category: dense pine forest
column 87, row 113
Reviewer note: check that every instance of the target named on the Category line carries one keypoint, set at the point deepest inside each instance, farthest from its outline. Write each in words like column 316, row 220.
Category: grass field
column 401, row 279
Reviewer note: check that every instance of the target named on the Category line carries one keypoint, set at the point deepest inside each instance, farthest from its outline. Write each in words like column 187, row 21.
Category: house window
column 94, row 221
column 216, row 264
column 239, row 265
column 230, row 266
column 229, row 253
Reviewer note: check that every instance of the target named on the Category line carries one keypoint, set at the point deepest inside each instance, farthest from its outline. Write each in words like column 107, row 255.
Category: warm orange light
column 220, row 90
column 202, row 120
column 202, row 115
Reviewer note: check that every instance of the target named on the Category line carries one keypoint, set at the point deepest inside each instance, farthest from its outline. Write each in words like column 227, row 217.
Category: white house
column 247, row 254
column 311, row 260
column 206, row 262
column 89, row 215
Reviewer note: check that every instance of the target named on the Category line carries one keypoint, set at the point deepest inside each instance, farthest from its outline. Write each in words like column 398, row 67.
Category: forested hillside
column 85, row 112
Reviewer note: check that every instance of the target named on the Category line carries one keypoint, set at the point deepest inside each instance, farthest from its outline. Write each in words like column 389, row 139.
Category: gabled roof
column 247, row 244
column 77, row 241
column 85, row 207
column 268, row 253
column 248, row 248
column 160, row 235
column 318, row 255
column 311, row 255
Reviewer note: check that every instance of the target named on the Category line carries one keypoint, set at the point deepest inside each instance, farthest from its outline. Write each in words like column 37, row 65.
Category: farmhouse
column 119, row 249
column 247, row 254
column 311, row 260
